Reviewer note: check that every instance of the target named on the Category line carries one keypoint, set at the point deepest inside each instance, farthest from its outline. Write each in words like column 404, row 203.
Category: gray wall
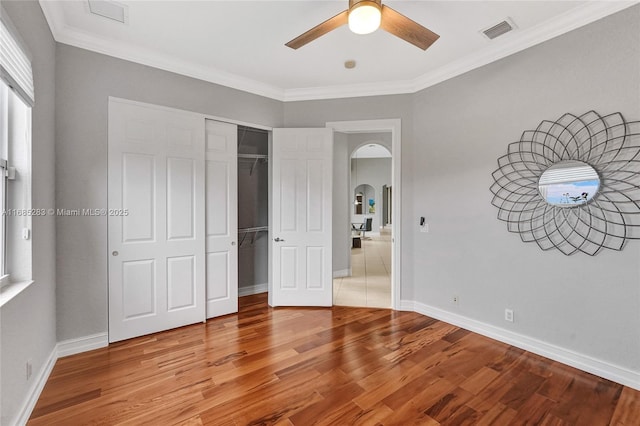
column 586, row 304
column 84, row 81
column 341, row 224
column 28, row 322
column 452, row 135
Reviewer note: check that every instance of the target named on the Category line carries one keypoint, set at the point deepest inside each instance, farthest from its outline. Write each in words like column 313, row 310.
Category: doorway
column 369, row 281
column 391, row 229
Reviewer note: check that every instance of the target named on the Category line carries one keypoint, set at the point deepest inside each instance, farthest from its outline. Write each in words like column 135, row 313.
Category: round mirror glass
column 569, row 184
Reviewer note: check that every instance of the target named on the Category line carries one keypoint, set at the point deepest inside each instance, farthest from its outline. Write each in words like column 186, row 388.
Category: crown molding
column 517, row 41
column 350, row 91
column 67, row 35
column 524, row 39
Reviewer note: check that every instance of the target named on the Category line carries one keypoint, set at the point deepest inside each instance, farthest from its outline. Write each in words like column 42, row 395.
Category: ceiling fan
column 364, row 17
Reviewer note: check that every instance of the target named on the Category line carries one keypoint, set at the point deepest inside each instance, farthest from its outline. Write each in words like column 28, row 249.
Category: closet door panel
column 218, row 198
column 218, row 276
column 157, row 248
column 221, row 218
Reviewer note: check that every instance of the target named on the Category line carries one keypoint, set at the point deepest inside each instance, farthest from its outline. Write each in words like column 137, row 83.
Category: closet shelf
column 246, row 231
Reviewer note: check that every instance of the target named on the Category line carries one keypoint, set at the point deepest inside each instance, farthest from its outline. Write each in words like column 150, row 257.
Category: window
column 4, row 128
column 16, row 99
column 15, row 187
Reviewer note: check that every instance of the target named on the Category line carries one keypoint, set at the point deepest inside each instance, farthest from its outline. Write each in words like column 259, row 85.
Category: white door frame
column 393, row 125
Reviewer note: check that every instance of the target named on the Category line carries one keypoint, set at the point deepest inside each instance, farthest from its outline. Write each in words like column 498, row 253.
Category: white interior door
column 156, row 223
column 222, row 218
column 301, row 217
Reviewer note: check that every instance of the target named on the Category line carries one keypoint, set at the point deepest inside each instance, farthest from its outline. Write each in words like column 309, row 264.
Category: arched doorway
column 369, row 283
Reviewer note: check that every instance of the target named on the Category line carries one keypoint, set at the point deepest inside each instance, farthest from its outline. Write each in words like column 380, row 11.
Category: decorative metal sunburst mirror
column 572, row 184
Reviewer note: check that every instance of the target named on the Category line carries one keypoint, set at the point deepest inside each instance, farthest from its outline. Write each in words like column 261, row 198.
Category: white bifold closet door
column 172, row 218
column 156, row 219
column 222, row 217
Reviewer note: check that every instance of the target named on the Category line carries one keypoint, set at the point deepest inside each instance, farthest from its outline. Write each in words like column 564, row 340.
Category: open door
column 301, row 217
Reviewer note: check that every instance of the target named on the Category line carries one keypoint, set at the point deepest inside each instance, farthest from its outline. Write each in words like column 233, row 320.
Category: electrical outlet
column 29, row 368
column 508, row 315
column 455, row 300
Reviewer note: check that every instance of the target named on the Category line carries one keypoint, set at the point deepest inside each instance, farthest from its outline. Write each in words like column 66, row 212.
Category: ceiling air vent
column 109, row 9
column 499, row 29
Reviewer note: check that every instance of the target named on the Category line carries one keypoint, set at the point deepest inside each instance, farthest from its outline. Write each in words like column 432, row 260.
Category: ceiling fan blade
column 408, row 30
column 329, row 25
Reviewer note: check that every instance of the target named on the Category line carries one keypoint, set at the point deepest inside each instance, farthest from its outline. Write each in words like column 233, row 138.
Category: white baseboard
column 64, row 348
column 580, row 361
column 342, row 273
column 34, row 391
column 253, row 289
column 82, row 344
column 408, row 305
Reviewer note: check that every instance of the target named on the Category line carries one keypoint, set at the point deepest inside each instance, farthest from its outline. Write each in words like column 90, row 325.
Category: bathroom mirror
column 569, row 184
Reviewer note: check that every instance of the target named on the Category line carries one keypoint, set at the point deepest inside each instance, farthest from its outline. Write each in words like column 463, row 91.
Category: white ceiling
column 240, row 44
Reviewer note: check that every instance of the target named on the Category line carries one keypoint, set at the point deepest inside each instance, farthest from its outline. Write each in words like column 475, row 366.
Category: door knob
column 233, row 243
column 115, row 253
column 277, row 240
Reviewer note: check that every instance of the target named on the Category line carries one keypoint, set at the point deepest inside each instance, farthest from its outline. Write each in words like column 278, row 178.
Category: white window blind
column 15, row 65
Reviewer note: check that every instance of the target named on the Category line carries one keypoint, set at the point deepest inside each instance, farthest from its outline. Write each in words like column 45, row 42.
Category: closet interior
column 253, row 210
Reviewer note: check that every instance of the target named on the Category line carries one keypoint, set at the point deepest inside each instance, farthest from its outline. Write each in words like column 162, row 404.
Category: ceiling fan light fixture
column 364, row 16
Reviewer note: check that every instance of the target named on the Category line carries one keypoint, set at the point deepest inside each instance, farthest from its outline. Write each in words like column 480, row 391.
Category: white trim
column 408, row 305
column 574, row 359
column 253, row 289
column 523, row 39
column 123, row 50
column 10, row 290
column 35, row 390
column 379, row 88
column 518, row 40
column 342, row 273
column 5, row 280
column 82, row 344
column 393, row 125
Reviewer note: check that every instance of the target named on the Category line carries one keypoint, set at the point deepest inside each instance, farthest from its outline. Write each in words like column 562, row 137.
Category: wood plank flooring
column 338, row 366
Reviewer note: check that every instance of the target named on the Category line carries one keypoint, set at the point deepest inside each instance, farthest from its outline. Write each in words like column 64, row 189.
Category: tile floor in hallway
column 370, row 282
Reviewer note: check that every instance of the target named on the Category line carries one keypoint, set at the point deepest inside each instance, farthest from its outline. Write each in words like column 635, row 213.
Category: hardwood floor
column 338, row 366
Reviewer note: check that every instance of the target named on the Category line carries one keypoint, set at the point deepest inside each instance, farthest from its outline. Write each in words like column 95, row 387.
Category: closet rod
column 254, row 156
column 254, row 229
